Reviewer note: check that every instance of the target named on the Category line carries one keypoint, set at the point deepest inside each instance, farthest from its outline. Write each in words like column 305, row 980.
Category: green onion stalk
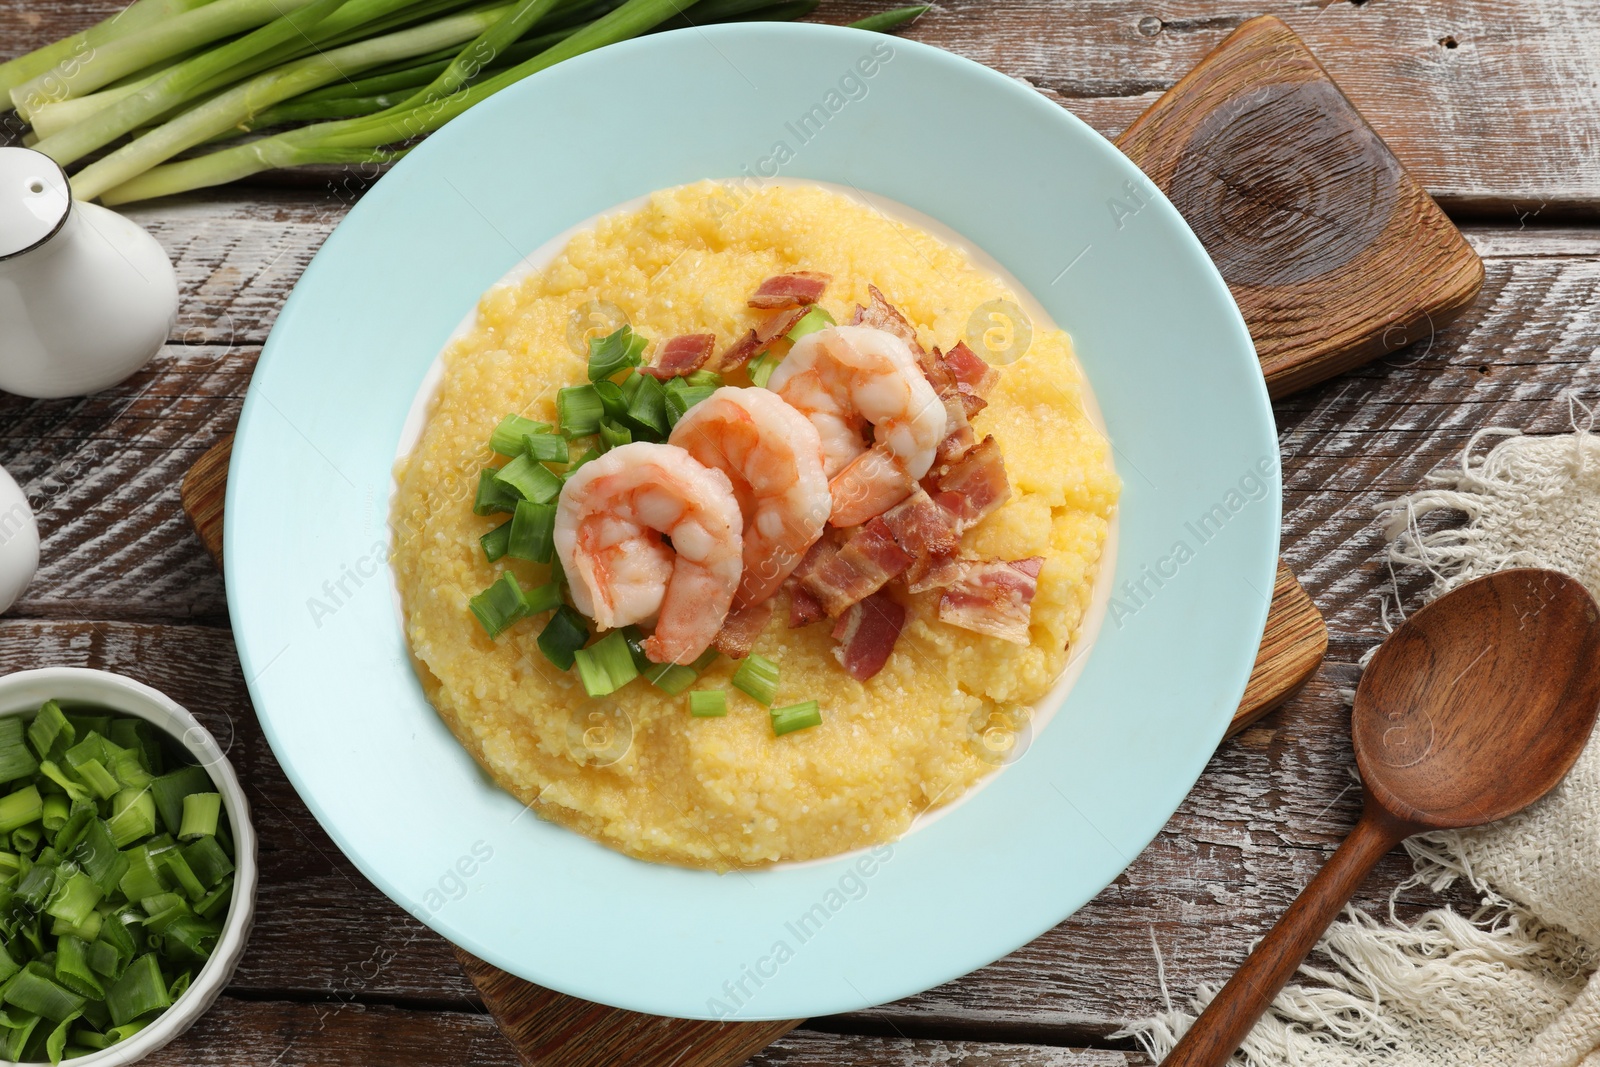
column 362, row 139
column 240, row 104
column 131, row 19
column 135, row 51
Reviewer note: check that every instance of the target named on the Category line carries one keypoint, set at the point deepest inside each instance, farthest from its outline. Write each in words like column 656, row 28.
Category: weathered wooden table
column 1494, row 107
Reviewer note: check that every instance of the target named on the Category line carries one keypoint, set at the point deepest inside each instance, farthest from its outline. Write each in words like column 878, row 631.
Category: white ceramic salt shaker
column 19, row 542
column 86, row 296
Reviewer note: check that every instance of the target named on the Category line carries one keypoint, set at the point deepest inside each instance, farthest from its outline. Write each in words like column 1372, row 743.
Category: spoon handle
column 1235, row 1009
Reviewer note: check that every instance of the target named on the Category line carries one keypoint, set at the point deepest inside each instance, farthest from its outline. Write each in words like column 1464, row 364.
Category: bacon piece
column 760, row 338
column 866, row 634
column 957, row 442
column 970, row 370
column 841, row 575
column 681, row 356
column 804, row 609
column 942, row 375
column 791, row 290
column 973, row 486
column 993, row 597
column 741, row 628
column 924, row 530
column 882, row 315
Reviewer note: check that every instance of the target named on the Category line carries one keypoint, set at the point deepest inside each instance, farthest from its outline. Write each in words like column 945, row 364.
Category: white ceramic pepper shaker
column 19, row 542
column 86, row 296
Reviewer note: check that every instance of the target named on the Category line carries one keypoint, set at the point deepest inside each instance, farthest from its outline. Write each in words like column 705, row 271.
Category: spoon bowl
column 1479, row 703
column 1474, row 708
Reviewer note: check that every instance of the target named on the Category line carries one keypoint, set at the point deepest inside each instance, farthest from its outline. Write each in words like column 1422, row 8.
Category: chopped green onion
column 533, row 529
column 55, row 1046
column 680, row 398
column 757, row 676
column 140, row 991
column 579, row 409
column 97, row 778
column 562, row 637
column 200, row 812
column 15, row 759
column 795, row 717
column 96, row 725
column 133, row 815
column 607, row 665
column 215, row 901
column 162, row 910
column 83, row 813
column 498, row 607
column 170, row 789
column 140, row 736
column 616, row 351
column 73, row 970
column 174, row 863
column 543, row 598
column 51, row 770
column 761, row 368
column 671, row 678
column 493, row 495
column 25, row 839
column 98, row 857
column 8, row 965
column 530, row 480
column 647, row 407
column 129, row 769
column 497, row 540
column 35, row 887
column 20, row 808
column 812, row 321
column 56, row 810
column 507, row 437
column 702, row 378
column 708, row 703
column 591, row 454
column 31, row 990
column 189, row 939
column 48, row 727
column 74, row 899
column 10, row 868
column 614, row 398
column 546, row 447
column 208, row 862
column 143, row 878
column 612, row 435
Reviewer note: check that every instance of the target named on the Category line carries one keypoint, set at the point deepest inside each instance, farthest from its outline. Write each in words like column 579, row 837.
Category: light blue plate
column 1164, row 348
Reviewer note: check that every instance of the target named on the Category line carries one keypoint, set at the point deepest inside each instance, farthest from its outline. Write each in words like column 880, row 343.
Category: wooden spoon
column 1472, row 710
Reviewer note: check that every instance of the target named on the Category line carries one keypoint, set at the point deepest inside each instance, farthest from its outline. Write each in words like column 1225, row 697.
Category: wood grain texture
column 1292, row 646
column 1333, row 252
column 1493, row 106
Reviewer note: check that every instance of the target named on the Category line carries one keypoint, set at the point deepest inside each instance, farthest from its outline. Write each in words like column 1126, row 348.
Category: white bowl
column 23, row 693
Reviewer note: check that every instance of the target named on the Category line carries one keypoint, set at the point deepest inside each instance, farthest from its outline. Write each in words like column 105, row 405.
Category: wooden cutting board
column 1334, row 254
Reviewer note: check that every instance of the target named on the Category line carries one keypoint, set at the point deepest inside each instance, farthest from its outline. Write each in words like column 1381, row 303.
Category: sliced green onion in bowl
column 507, row 437
column 757, row 677
column 812, row 321
column 787, row 720
column 708, row 703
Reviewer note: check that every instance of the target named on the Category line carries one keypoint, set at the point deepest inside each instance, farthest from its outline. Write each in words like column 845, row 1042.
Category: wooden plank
column 1333, row 252
column 1492, row 106
column 347, row 1033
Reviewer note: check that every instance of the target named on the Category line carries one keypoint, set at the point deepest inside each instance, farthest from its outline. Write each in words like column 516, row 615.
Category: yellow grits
column 633, row 770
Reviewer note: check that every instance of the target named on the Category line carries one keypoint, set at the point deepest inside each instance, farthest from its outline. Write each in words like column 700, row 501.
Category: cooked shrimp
column 844, row 378
column 610, row 521
column 773, row 456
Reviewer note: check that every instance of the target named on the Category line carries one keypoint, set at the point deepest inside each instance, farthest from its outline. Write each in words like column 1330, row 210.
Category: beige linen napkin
column 1512, row 984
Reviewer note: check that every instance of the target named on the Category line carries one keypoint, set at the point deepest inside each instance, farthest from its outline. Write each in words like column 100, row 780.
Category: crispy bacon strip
column 883, row 315
column 924, row 530
column 970, row 370
column 973, row 486
column 941, row 373
column 741, row 628
column 682, row 355
column 804, row 609
column 839, row 576
column 866, row 634
column 791, row 290
column 993, row 597
column 760, row 338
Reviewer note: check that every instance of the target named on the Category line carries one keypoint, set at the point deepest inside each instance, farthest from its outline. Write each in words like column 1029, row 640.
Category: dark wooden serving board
column 1334, row 254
